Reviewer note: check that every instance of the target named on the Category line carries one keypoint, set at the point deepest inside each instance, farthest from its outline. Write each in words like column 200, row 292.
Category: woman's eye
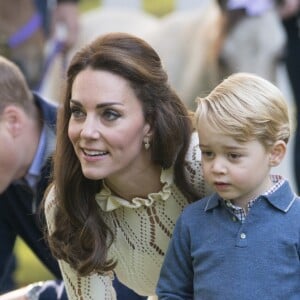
column 77, row 113
column 110, row 115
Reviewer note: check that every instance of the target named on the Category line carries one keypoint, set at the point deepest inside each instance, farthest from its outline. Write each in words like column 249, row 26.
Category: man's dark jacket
column 17, row 216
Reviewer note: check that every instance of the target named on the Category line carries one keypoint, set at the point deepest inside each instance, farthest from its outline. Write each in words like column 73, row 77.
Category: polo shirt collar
column 212, row 202
column 282, row 198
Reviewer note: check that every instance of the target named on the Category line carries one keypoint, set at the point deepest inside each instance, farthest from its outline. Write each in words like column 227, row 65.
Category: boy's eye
column 234, row 155
column 207, row 154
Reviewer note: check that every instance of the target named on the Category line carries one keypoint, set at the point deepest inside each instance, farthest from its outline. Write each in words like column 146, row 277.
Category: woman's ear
column 277, row 153
column 12, row 116
column 148, row 130
column 147, row 140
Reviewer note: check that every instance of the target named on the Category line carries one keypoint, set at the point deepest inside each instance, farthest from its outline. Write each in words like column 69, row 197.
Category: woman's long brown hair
column 81, row 237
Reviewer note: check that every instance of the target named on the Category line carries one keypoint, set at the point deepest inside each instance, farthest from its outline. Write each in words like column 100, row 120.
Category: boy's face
column 9, row 158
column 236, row 171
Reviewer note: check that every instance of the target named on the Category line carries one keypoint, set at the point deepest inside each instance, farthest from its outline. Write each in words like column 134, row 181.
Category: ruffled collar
column 108, row 202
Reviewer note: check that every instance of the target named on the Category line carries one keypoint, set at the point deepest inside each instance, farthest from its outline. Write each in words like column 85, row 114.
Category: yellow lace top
column 142, row 229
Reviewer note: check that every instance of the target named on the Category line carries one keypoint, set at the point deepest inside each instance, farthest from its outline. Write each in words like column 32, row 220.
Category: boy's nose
column 218, row 166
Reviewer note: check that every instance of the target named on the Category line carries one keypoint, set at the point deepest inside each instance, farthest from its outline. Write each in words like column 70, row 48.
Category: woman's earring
column 147, row 143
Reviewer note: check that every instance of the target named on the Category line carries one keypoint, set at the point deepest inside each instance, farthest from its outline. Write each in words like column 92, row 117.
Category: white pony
column 198, row 48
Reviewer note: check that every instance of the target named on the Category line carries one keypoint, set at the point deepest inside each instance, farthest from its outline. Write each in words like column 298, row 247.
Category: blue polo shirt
column 213, row 255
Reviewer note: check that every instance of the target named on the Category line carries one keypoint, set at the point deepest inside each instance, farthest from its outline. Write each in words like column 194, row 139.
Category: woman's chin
column 92, row 175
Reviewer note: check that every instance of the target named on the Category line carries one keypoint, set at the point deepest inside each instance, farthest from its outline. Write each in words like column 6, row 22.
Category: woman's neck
column 138, row 185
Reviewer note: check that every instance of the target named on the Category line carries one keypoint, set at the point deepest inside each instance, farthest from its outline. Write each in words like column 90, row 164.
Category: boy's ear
column 277, row 153
column 12, row 116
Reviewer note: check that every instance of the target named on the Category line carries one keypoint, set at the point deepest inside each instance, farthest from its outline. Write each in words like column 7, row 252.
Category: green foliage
column 156, row 7
column 88, row 4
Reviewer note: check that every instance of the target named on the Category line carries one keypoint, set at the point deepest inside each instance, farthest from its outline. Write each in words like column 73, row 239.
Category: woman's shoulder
column 50, row 204
column 193, row 168
column 193, row 154
column 50, row 196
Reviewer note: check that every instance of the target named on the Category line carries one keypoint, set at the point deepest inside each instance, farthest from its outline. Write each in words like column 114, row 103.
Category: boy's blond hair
column 246, row 106
column 14, row 89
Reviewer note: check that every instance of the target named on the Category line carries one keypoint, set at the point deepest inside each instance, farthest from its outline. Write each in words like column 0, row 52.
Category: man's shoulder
column 11, row 189
column 13, row 198
column 43, row 100
column 48, row 108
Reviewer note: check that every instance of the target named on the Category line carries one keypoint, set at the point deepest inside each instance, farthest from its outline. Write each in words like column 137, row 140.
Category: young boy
column 243, row 242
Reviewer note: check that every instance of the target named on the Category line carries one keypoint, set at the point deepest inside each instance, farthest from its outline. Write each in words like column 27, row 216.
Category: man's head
column 17, row 112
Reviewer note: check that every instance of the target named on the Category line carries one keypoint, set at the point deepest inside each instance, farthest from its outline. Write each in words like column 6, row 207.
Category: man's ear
column 277, row 153
column 13, row 118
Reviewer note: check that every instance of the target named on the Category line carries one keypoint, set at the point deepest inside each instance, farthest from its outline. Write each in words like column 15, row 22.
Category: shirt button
column 243, row 236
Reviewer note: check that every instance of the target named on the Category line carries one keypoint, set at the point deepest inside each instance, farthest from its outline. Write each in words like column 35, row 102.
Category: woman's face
column 107, row 125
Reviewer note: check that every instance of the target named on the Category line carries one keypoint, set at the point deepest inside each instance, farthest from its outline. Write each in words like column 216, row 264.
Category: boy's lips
column 221, row 185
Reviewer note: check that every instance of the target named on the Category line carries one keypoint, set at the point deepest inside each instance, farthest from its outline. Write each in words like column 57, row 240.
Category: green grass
column 29, row 269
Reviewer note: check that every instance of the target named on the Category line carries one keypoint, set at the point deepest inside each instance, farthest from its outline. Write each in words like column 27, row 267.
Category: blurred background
column 156, row 7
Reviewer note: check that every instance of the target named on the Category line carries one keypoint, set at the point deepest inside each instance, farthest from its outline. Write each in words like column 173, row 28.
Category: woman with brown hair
column 127, row 162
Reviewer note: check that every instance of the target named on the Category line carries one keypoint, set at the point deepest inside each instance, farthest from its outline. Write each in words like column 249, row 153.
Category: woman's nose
column 90, row 129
